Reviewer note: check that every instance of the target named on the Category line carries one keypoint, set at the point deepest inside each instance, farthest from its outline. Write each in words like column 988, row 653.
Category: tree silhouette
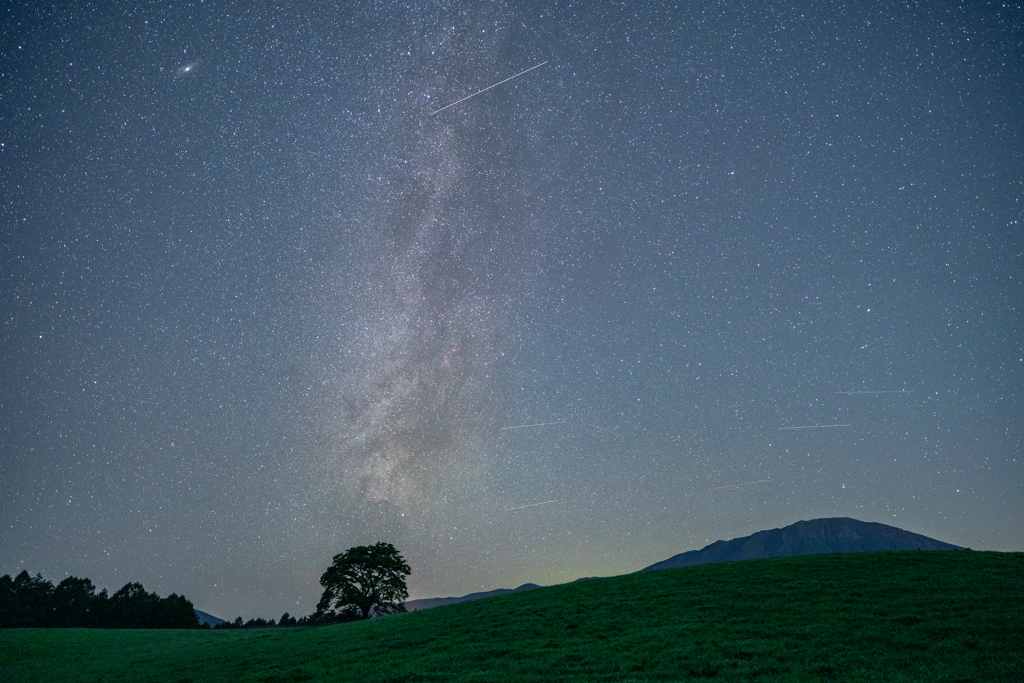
column 132, row 606
column 175, row 611
column 362, row 582
column 25, row 600
column 30, row 601
column 73, row 602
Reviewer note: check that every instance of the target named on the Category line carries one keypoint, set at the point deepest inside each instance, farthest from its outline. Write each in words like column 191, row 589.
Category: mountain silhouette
column 427, row 603
column 812, row 537
column 205, row 618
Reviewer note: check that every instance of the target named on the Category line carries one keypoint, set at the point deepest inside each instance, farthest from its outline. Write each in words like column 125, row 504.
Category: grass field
column 917, row 616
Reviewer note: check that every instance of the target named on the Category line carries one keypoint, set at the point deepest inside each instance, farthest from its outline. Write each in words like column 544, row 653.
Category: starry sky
column 691, row 271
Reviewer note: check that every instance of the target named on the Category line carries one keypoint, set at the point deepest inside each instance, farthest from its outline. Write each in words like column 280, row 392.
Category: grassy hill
column 907, row 616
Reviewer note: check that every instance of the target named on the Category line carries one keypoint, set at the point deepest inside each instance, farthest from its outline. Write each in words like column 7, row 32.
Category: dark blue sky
column 262, row 301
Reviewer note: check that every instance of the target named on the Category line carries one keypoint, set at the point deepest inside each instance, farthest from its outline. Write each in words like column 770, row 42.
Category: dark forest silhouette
column 28, row 601
column 34, row 602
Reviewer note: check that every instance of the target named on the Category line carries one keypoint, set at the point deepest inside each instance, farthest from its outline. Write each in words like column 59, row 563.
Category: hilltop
column 810, row 537
column 852, row 616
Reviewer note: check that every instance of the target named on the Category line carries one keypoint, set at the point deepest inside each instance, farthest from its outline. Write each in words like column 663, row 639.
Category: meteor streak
column 814, row 427
column 487, row 88
column 539, row 424
column 736, row 486
column 532, row 505
column 901, row 391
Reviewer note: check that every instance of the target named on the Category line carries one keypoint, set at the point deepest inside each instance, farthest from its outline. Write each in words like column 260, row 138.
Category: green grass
column 918, row 616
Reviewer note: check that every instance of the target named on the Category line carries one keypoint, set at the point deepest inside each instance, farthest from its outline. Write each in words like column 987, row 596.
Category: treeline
column 286, row 620
column 27, row 601
column 314, row 619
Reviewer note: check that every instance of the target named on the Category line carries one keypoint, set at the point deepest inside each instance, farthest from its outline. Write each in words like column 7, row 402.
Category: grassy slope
column 954, row 616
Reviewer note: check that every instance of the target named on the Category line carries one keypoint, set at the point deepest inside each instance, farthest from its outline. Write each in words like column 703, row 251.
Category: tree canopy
column 362, row 582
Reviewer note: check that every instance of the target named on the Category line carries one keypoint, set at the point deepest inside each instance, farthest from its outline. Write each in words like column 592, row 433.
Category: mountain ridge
column 427, row 603
column 806, row 537
column 204, row 618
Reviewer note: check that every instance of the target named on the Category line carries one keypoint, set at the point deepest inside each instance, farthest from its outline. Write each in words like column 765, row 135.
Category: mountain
column 427, row 603
column 205, row 618
column 816, row 536
column 812, row 537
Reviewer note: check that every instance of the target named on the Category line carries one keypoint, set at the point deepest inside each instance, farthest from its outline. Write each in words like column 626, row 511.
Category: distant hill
column 205, row 618
column 813, row 537
column 427, row 603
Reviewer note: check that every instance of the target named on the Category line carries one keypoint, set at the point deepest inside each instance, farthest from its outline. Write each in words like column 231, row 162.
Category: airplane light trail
column 539, row 424
column 736, row 486
column 487, row 88
column 901, row 391
column 814, row 427
column 532, row 505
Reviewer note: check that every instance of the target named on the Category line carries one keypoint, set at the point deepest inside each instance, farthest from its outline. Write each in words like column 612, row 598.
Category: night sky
column 704, row 269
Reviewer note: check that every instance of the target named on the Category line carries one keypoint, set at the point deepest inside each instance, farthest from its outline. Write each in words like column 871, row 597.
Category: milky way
column 448, row 210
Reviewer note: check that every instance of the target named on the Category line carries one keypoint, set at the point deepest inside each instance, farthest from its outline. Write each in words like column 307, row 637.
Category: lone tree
column 364, row 581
